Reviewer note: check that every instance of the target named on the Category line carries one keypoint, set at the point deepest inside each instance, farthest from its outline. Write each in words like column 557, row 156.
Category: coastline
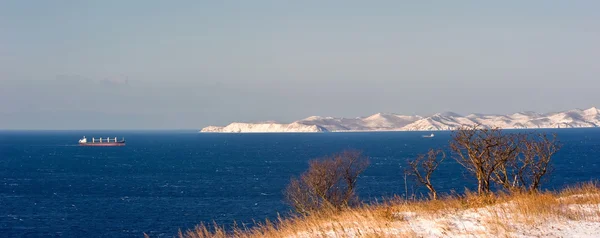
column 372, row 131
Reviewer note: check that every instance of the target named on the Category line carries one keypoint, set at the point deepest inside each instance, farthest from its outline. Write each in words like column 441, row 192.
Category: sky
column 145, row 64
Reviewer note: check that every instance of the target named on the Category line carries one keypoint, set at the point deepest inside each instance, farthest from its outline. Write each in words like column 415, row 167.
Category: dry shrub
column 328, row 184
column 202, row 231
column 586, row 191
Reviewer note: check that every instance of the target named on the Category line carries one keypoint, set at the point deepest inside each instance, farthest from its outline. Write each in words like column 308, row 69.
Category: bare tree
column 423, row 166
column 481, row 151
column 329, row 183
column 544, row 149
column 514, row 161
column 526, row 171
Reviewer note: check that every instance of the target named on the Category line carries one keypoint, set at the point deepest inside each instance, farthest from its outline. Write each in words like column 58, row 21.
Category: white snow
column 385, row 121
column 493, row 221
column 264, row 127
column 500, row 220
column 440, row 121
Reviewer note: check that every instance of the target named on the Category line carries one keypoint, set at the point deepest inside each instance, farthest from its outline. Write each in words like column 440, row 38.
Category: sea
column 162, row 182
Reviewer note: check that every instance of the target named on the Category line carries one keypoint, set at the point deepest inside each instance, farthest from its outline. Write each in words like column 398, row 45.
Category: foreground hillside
column 441, row 121
column 573, row 212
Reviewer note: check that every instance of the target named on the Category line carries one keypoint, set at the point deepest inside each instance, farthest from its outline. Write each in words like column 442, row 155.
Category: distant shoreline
column 387, row 131
column 576, row 118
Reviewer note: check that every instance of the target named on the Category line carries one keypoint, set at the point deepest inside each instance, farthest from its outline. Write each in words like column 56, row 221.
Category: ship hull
column 103, row 144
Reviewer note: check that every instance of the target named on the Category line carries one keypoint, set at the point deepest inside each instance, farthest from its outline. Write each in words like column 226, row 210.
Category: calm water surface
column 163, row 181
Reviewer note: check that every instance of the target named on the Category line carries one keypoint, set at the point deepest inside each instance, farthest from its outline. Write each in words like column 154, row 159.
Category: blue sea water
column 165, row 181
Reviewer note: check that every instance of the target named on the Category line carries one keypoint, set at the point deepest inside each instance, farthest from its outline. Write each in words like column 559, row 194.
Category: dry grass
column 501, row 215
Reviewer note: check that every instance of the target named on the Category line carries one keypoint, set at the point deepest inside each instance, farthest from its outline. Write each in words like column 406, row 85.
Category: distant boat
column 101, row 142
column 428, row 136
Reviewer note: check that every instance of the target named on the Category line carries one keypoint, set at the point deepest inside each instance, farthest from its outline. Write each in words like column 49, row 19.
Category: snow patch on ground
column 498, row 220
column 483, row 222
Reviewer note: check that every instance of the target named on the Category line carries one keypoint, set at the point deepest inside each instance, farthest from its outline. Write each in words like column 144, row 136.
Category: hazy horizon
column 190, row 64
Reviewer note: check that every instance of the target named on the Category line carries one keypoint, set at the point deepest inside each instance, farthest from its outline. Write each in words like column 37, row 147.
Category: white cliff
column 441, row 121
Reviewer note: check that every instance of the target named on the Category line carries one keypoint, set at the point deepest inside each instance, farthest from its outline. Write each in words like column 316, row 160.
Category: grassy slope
column 572, row 212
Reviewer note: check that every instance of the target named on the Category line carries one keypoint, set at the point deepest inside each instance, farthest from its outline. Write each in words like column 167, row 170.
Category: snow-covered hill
column 440, row 121
column 264, row 127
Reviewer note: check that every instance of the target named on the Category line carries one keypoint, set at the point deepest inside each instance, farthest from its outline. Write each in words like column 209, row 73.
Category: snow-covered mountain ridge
column 440, row 121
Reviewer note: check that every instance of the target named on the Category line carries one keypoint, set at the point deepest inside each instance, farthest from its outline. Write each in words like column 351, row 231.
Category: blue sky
column 189, row 64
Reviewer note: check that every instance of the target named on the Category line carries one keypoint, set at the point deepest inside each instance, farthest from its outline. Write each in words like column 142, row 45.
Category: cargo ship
column 101, row 142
